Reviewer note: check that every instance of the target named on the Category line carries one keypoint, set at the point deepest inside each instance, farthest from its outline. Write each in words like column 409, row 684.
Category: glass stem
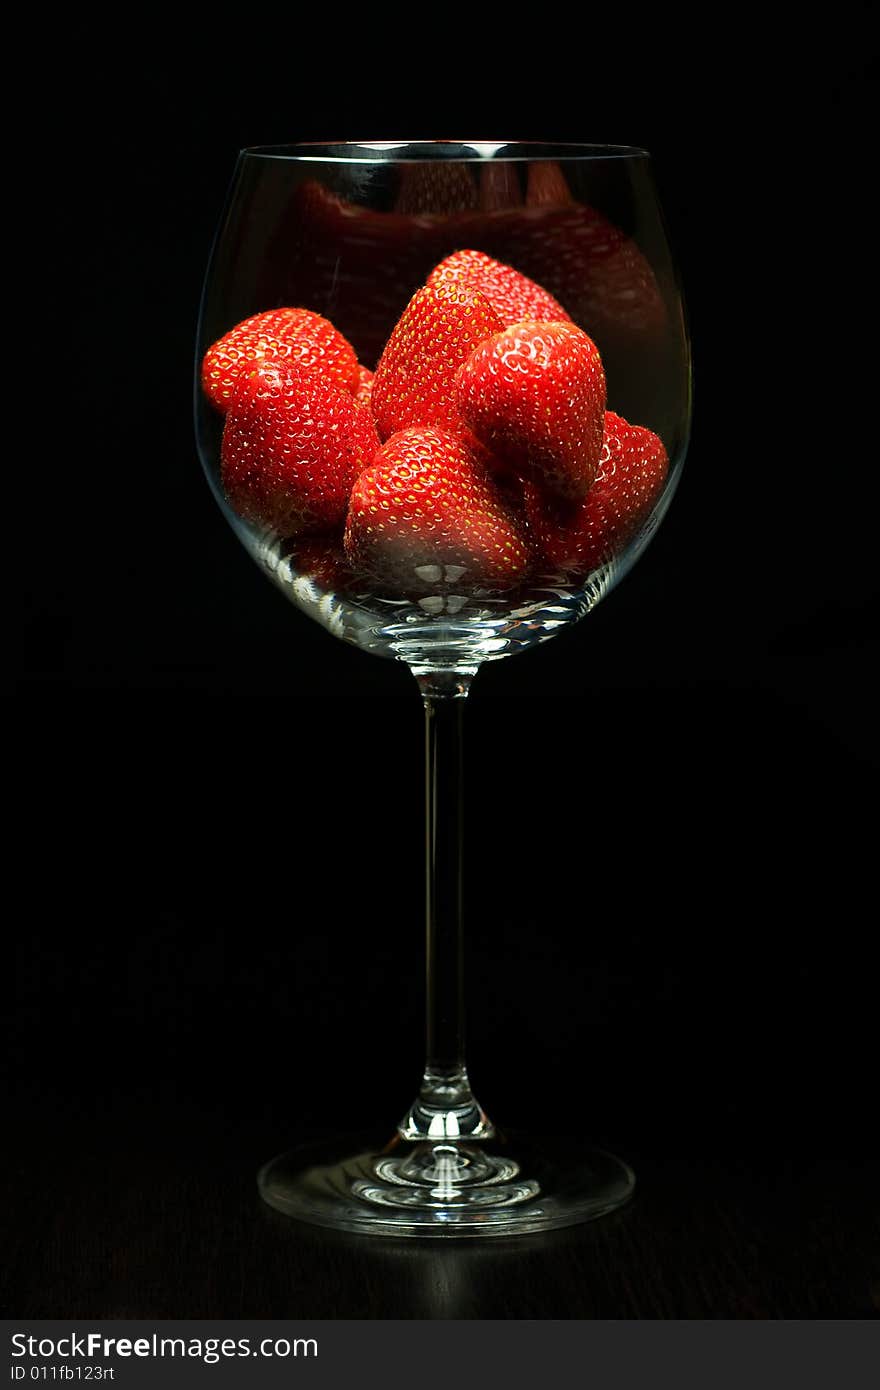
column 445, row 1107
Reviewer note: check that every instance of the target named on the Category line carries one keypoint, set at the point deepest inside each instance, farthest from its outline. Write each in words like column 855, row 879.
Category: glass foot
column 508, row 1186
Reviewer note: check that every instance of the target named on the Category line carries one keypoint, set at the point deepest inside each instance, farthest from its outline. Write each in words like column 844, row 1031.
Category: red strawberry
column 513, row 296
column 632, row 469
column 426, row 512
column 364, row 391
column 436, row 332
column 535, row 396
column 293, row 444
column 298, row 334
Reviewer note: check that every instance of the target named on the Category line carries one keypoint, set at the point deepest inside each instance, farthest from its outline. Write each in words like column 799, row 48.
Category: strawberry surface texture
column 293, row 444
column 535, row 395
column 437, row 331
column 632, row 470
column 301, row 336
column 364, row 390
column 427, row 512
column 513, row 296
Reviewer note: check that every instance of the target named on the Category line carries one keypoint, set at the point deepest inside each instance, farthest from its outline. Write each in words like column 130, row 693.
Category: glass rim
column 425, row 151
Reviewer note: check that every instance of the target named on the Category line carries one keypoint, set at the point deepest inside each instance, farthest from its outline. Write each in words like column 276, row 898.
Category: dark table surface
column 115, row 1216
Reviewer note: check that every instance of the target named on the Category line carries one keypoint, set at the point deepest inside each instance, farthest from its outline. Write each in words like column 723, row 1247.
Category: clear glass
column 351, row 233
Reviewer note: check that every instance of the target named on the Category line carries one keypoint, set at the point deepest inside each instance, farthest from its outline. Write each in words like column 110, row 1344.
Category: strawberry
column 364, row 391
column 534, row 395
column 632, row 469
column 427, row 512
column 513, row 296
column 298, row 334
column 293, row 444
column 434, row 335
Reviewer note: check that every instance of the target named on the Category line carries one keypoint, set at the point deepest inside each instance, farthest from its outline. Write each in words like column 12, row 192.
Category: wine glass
column 443, row 398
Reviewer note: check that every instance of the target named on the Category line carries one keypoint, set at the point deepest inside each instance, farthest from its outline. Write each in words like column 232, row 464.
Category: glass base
column 505, row 1187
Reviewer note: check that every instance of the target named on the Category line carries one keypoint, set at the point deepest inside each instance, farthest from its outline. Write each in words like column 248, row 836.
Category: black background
column 671, row 855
